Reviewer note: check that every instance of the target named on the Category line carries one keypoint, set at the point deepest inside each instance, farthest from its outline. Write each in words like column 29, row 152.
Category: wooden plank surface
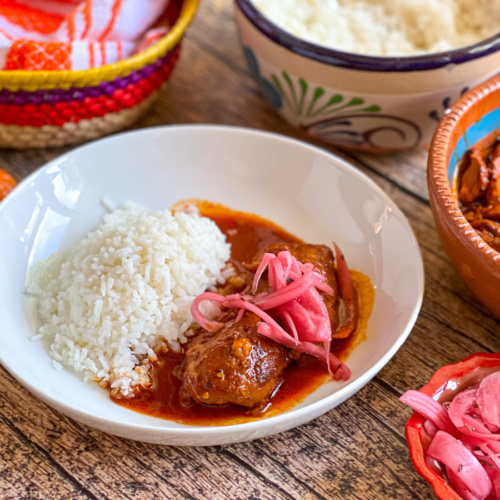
column 357, row 451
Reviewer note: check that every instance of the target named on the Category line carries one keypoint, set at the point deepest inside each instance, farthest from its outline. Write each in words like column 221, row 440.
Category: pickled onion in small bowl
column 454, row 432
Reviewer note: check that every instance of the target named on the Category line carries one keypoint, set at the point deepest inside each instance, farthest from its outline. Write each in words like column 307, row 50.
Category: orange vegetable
column 7, row 184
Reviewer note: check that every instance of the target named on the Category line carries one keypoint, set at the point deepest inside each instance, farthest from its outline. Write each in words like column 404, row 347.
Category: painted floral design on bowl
column 437, row 114
column 335, row 117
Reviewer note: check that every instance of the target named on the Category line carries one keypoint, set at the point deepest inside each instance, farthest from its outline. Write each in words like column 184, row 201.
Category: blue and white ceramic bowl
column 377, row 104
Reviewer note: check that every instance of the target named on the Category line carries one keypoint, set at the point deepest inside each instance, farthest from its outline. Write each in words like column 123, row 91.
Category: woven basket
column 41, row 109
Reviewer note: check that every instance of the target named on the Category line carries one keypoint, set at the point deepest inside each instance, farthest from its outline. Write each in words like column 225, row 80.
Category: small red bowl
column 443, row 386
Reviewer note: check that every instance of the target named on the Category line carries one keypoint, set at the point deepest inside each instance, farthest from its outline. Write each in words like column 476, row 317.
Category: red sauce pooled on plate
column 247, row 233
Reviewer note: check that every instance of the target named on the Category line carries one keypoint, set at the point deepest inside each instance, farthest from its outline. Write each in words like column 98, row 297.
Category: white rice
column 386, row 27
column 125, row 289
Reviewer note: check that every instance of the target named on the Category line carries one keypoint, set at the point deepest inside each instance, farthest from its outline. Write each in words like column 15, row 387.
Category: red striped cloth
column 75, row 34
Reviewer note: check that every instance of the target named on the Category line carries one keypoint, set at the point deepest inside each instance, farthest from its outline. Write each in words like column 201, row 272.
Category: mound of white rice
column 386, row 27
column 124, row 289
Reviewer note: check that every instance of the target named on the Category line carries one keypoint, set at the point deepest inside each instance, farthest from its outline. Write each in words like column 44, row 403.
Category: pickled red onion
column 488, row 399
column 429, row 408
column 495, row 479
column 462, row 404
column 295, row 299
column 286, row 294
column 472, row 462
column 465, row 473
column 347, row 290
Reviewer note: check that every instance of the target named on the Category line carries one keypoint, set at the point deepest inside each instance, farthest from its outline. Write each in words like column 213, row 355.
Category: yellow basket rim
column 15, row 80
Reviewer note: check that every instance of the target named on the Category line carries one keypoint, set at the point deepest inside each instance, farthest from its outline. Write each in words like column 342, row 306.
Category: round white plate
column 307, row 191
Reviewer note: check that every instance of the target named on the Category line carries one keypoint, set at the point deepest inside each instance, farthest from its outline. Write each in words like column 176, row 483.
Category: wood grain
column 357, row 451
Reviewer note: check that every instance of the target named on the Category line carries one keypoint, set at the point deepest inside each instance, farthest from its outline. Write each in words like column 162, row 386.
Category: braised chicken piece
column 479, row 192
column 234, row 365
column 474, row 178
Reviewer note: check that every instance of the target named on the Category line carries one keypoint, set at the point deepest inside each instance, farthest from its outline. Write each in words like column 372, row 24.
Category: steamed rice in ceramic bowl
column 370, row 75
column 389, row 28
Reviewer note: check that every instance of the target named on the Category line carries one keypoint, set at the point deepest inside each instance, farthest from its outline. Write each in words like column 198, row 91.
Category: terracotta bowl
column 472, row 119
column 377, row 104
column 448, row 381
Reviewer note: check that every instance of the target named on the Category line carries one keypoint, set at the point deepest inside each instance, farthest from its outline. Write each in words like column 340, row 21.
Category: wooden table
column 356, row 451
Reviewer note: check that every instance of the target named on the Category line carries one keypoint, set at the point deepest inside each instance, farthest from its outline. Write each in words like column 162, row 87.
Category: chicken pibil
column 479, row 192
column 236, row 364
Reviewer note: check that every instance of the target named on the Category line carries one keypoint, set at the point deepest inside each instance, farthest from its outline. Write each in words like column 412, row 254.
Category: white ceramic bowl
column 377, row 104
column 306, row 190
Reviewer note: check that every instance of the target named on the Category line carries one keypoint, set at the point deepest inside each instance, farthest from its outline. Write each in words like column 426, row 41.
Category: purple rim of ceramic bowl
column 360, row 62
column 79, row 94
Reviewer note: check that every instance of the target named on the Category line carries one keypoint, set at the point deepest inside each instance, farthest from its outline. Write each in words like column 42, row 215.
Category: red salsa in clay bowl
column 454, row 432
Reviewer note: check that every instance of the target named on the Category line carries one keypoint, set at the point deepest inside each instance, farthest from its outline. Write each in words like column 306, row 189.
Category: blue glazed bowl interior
column 486, row 125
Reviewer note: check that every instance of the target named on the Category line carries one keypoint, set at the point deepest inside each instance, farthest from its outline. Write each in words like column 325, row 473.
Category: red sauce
column 164, row 399
column 247, row 234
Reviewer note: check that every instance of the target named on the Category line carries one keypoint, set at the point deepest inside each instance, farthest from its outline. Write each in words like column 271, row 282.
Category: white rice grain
column 386, row 27
column 149, row 268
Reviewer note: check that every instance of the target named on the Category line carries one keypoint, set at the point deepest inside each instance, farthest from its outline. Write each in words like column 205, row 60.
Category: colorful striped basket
column 41, row 109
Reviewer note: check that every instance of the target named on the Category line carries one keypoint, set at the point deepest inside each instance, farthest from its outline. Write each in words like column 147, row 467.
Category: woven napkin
column 75, row 34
